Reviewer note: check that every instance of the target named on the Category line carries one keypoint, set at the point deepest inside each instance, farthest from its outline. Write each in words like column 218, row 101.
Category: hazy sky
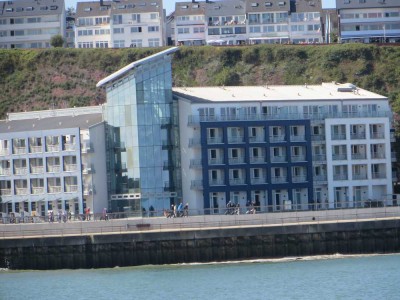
column 169, row 5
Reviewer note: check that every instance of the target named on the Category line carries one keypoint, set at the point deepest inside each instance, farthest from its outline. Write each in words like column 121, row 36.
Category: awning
column 269, row 38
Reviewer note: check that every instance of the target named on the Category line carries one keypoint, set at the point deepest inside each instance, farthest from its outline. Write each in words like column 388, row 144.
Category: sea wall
column 205, row 245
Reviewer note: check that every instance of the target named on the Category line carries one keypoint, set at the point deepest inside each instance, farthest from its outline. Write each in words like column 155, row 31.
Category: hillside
column 59, row 78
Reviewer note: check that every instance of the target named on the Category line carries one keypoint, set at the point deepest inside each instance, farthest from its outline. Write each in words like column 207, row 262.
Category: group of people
column 62, row 216
column 177, row 211
column 234, row 209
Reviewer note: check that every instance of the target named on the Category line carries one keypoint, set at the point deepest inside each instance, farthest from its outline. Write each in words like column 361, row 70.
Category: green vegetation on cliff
column 59, row 78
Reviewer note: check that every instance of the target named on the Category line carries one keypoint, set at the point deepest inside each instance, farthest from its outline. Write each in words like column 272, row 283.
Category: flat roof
column 50, row 123
column 122, row 72
column 325, row 91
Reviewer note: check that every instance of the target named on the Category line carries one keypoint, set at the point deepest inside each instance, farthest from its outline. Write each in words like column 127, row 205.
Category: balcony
column 5, row 172
column 37, row 169
column 320, row 178
column 86, row 147
column 258, row 180
column 4, row 152
column 296, row 158
column 338, row 136
column 358, row 156
column 196, row 185
column 357, row 136
column 37, row 190
column 340, row 176
column 257, row 159
column 299, row 178
column 53, row 148
column 256, row 139
column 87, row 170
column 359, row 176
column 36, row 149
column 53, row 168
column 21, row 191
column 377, row 135
column 392, row 137
column 195, row 164
column 19, row 150
column 236, row 181
column 5, row 192
column 278, row 159
column 216, row 182
column 55, row 189
column 339, row 156
column 377, row 155
column 119, row 146
column 278, row 179
column 378, row 175
column 318, row 137
column 236, row 160
column 216, row 161
column 319, row 157
column 277, row 138
column 393, row 156
column 297, row 138
column 69, row 147
column 70, row 167
column 71, row 188
column 235, row 139
column 21, row 171
column 214, row 140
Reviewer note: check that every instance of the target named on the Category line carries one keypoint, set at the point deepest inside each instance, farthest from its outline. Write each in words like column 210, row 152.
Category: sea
column 317, row 277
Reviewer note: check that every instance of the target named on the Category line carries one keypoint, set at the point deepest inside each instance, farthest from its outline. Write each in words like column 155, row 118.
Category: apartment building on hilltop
column 369, row 21
column 120, row 24
column 30, row 23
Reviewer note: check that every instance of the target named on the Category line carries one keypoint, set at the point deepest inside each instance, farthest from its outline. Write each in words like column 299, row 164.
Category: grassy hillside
column 46, row 78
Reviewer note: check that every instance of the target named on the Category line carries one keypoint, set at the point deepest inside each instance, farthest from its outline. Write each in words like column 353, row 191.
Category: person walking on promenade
column 186, row 210
column 174, row 210
column 151, row 209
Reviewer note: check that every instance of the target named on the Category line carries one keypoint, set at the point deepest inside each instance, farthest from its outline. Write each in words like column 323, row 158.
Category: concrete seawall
column 201, row 245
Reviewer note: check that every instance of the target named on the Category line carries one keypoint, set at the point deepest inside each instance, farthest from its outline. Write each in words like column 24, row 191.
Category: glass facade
column 143, row 141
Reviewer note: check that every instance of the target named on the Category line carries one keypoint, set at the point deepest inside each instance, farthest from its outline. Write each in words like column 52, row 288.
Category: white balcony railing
column 258, row 180
column 37, row 190
column 216, row 161
column 378, row 175
column 298, row 158
column 299, row 178
column 236, row 160
column 340, row 177
column 5, row 192
column 70, row 167
column 257, row 159
column 235, row 139
column 55, row 189
column 69, row 147
column 5, row 172
column 21, row 191
column 71, row 188
column 4, row 151
column 278, row 159
column 37, row 169
column 359, row 176
column 53, row 168
column 297, row 138
column 19, row 150
column 36, row 149
column 277, row 138
column 53, row 148
column 213, row 182
column 236, row 181
column 214, row 140
column 20, row 171
column 278, row 179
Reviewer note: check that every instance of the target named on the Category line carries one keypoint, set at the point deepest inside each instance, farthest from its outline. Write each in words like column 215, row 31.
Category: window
column 198, row 29
column 136, row 29
column 184, row 30
column 33, row 20
column 102, row 20
column 136, row 17
column 136, row 43
column 154, row 42
column 85, row 45
column 255, row 29
column 118, row 30
column 153, row 16
column 119, row 44
column 117, row 19
column 153, row 28
column 213, row 31
column 101, row 44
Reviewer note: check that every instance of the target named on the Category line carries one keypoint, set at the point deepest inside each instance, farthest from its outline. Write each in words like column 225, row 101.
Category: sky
column 169, row 5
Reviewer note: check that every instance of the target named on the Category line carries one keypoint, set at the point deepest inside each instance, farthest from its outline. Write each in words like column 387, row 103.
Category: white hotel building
column 284, row 147
column 120, row 24
column 53, row 160
column 30, row 24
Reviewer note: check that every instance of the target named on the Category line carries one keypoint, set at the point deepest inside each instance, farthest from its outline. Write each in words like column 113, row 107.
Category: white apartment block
column 53, row 160
column 285, row 147
column 120, row 24
column 30, row 23
column 369, row 21
column 248, row 21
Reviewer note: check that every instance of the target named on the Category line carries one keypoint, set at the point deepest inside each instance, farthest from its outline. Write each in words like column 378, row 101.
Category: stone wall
column 170, row 247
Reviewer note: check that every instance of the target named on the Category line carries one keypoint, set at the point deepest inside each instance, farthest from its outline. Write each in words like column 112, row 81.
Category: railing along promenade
column 125, row 223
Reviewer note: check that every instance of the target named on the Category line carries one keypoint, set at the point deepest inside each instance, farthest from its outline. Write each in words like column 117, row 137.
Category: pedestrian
column 186, row 210
column 174, row 210
column 180, row 210
column 151, row 209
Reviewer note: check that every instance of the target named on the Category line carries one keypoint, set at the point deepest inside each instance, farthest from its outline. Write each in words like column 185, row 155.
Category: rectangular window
column 153, row 28
column 136, row 43
column 154, row 42
column 117, row 19
column 119, row 44
column 153, row 16
column 118, row 30
column 136, row 29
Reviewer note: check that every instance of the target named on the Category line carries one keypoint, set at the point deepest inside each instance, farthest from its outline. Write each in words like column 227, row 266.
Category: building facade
column 31, row 24
column 372, row 21
column 248, row 22
column 53, row 160
column 284, row 147
column 143, row 161
column 120, row 24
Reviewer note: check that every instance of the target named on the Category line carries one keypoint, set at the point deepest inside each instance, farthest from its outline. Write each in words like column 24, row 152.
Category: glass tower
column 142, row 136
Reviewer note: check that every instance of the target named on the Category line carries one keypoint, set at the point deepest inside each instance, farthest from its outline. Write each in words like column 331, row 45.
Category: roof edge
column 137, row 63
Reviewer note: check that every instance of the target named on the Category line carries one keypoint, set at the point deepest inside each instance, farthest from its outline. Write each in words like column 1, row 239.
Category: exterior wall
column 30, row 24
column 369, row 22
column 125, row 24
column 46, row 196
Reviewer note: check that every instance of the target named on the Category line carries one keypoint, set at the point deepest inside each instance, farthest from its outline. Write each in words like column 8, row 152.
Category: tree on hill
column 57, row 41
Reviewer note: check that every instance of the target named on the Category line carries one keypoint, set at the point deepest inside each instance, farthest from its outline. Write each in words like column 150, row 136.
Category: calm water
column 331, row 277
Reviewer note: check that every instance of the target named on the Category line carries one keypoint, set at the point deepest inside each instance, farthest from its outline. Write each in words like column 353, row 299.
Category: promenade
column 199, row 222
